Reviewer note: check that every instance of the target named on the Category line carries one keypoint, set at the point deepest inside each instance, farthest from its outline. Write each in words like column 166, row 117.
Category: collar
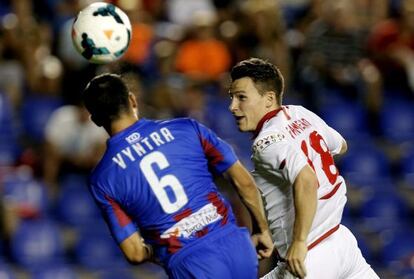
column 122, row 134
column 266, row 117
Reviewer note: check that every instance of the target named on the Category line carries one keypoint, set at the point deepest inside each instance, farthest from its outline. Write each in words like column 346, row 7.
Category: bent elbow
column 134, row 249
column 344, row 148
column 135, row 259
column 135, row 256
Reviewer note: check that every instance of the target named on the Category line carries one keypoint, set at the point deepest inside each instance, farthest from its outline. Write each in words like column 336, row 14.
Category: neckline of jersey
column 122, row 133
column 266, row 117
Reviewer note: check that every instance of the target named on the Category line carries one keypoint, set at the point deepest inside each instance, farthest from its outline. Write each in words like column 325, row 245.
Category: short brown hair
column 265, row 75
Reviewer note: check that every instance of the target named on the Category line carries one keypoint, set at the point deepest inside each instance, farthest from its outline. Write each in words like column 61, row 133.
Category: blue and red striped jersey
column 155, row 177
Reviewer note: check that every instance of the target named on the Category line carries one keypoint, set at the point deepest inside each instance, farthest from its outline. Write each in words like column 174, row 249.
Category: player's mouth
column 238, row 118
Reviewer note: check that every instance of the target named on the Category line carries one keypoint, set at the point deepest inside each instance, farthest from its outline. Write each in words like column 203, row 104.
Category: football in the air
column 101, row 33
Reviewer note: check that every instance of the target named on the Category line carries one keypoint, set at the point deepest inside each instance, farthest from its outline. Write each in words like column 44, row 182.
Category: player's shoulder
column 270, row 136
column 301, row 110
column 186, row 125
column 104, row 169
column 100, row 171
column 296, row 109
column 179, row 122
column 101, row 181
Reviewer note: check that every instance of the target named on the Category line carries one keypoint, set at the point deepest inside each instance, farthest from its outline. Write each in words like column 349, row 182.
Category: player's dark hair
column 265, row 75
column 106, row 96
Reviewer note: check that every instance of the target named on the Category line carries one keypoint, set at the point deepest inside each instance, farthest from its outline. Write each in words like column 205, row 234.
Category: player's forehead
column 242, row 85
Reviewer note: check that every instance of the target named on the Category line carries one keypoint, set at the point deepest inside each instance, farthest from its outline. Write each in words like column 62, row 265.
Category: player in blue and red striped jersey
column 155, row 177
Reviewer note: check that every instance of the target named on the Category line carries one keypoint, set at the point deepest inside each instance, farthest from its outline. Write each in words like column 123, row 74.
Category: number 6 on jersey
column 158, row 185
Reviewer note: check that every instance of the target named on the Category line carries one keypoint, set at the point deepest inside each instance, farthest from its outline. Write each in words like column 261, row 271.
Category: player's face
column 247, row 105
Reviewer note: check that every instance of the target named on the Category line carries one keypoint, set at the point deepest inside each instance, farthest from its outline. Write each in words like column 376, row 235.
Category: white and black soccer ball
column 101, row 33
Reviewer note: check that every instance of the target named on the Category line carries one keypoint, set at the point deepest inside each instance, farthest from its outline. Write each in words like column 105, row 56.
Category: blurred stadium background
column 351, row 61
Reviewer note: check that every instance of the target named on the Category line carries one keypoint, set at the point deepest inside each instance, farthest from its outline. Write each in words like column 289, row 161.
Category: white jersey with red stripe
column 288, row 139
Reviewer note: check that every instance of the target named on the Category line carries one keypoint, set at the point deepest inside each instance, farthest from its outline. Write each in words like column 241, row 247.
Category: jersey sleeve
column 119, row 223
column 220, row 154
column 278, row 156
column 333, row 139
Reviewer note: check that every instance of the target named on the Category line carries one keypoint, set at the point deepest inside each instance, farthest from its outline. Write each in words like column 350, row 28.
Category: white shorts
column 279, row 272
column 337, row 257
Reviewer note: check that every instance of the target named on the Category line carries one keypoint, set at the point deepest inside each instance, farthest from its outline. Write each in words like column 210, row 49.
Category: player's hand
column 295, row 258
column 264, row 244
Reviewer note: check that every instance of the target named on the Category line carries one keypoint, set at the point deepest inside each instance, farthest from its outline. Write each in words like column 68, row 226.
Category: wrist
column 265, row 231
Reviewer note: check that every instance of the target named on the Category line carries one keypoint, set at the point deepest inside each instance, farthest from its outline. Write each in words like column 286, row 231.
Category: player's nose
column 233, row 105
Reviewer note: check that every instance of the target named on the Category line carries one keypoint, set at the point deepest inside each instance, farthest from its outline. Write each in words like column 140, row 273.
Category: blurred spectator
column 203, row 56
column 166, row 97
column 11, row 71
column 134, row 83
column 37, row 245
column 262, row 34
column 368, row 13
column 142, row 33
column 32, row 41
column 333, row 61
column 73, row 144
column 195, row 105
column 392, row 47
column 164, row 47
column 77, row 71
column 9, row 143
column 22, row 197
column 183, row 11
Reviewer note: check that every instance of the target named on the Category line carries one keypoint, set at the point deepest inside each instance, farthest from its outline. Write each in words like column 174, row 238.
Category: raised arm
column 250, row 196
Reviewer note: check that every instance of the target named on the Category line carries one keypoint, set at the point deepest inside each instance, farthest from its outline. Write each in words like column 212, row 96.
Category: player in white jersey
column 303, row 192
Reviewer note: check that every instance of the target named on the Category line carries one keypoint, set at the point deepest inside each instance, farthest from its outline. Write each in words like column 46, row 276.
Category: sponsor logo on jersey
column 266, row 141
column 193, row 223
column 133, row 138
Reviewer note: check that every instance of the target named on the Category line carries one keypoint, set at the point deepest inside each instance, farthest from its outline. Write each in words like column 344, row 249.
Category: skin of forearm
column 305, row 198
column 252, row 199
column 249, row 194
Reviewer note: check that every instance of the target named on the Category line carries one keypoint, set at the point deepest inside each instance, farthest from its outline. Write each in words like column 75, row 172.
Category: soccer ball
column 101, row 33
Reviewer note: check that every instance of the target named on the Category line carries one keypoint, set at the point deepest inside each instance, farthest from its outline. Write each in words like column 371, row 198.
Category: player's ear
column 134, row 103
column 133, row 100
column 270, row 98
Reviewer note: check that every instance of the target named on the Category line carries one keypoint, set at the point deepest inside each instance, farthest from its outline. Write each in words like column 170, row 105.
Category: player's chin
column 243, row 128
